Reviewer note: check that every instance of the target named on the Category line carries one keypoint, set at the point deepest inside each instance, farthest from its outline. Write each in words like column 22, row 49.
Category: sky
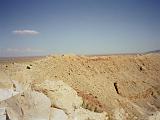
column 42, row 27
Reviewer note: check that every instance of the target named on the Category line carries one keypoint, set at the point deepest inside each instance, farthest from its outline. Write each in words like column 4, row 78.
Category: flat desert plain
column 126, row 87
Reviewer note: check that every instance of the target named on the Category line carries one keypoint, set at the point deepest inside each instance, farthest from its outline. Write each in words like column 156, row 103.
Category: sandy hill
column 125, row 86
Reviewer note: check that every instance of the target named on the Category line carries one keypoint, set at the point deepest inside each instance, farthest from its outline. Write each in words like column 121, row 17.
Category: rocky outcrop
column 62, row 96
column 50, row 100
column 29, row 105
column 9, row 89
column 65, row 98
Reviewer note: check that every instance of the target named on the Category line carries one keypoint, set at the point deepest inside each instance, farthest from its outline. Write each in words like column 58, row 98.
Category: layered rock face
column 50, row 100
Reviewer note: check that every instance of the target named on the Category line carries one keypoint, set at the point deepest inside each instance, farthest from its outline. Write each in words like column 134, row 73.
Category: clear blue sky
column 39, row 27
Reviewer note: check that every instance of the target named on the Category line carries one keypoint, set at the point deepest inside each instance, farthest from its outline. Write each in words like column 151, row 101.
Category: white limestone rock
column 9, row 89
column 57, row 114
column 30, row 105
column 2, row 114
column 62, row 96
column 34, row 105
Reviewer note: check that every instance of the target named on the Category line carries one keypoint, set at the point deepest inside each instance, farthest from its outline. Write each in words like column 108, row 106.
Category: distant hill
column 155, row 51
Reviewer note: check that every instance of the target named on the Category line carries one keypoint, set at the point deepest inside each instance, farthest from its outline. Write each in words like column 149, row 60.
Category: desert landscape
column 79, row 60
column 113, row 87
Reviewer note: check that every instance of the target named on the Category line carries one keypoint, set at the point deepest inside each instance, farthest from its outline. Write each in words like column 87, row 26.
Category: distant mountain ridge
column 154, row 51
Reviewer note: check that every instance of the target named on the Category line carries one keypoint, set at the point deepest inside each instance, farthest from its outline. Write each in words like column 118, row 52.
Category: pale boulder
column 9, row 88
column 57, row 114
column 62, row 95
column 29, row 105
column 2, row 113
